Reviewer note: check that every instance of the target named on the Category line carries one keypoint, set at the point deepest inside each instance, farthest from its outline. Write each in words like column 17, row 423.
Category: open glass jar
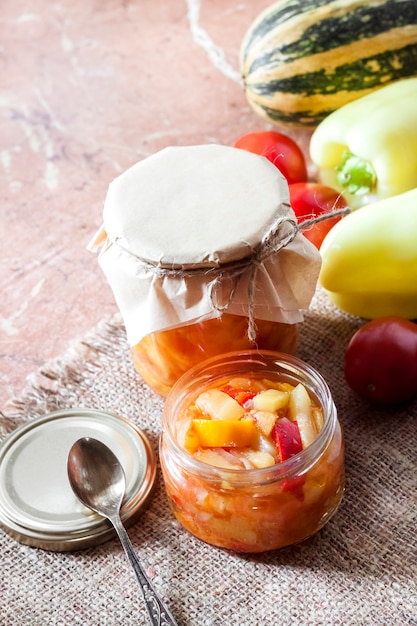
column 204, row 256
column 244, row 508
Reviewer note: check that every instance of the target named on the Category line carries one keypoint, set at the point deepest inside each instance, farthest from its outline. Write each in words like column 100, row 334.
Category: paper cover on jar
column 191, row 232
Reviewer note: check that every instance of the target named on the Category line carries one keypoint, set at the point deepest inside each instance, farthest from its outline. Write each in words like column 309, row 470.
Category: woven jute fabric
column 359, row 570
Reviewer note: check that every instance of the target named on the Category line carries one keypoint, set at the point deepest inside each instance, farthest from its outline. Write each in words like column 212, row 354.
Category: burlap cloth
column 359, row 570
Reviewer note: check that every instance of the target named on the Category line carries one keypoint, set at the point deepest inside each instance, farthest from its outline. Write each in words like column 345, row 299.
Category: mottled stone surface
column 87, row 89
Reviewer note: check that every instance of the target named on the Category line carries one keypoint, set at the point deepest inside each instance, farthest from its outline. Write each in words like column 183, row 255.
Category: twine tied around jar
column 280, row 234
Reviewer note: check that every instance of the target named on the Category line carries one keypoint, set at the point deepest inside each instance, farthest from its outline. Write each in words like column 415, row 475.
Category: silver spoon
column 98, row 480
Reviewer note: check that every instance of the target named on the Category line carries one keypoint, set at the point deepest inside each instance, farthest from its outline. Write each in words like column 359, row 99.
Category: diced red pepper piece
column 286, row 437
column 243, row 396
column 240, row 395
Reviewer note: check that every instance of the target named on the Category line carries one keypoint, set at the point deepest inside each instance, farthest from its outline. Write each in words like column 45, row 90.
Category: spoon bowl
column 96, row 476
column 98, row 480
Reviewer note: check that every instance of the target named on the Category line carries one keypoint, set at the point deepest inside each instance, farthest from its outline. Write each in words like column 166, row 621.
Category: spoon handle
column 158, row 612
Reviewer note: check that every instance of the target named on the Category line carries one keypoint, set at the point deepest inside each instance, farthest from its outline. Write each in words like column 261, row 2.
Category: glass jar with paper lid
column 204, row 256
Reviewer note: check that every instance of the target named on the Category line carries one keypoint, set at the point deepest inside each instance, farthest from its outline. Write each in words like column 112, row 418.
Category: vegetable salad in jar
column 162, row 357
column 252, row 451
column 203, row 252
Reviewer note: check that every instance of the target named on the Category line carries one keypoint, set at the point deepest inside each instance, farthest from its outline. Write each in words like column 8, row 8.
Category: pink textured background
column 87, row 89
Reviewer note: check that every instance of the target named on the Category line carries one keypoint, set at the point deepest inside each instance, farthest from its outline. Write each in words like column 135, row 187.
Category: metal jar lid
column 37, row 504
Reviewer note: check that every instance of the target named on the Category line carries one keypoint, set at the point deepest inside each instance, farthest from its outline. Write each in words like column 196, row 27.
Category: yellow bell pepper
column 367, row 149
column 224, row 433
column 369, row 259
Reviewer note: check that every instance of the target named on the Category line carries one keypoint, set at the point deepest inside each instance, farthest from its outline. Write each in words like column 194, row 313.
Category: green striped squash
column 302, row 59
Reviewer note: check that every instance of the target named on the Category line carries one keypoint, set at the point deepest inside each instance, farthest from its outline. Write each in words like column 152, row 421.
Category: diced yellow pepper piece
column 224, row 433
column 271, row 400
column 219, row 405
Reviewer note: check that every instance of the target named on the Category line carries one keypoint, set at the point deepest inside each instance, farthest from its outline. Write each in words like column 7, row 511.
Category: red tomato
column 310, row 200
column 381, row 360
column 281, row 150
